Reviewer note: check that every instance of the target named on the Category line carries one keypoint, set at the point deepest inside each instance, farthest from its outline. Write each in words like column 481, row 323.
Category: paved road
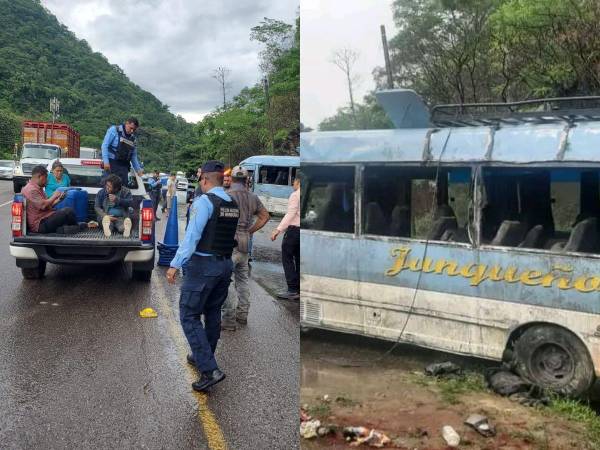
column 80, row 369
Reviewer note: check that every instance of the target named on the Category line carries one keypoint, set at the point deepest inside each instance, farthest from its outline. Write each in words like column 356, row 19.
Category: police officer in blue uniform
column 119, row 150
column 206, row 251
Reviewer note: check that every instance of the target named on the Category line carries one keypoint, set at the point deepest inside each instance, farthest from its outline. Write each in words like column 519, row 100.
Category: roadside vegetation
column 467, row 51
column 40, row 58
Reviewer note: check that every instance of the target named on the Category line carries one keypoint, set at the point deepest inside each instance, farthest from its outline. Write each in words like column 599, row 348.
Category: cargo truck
column 43, row 142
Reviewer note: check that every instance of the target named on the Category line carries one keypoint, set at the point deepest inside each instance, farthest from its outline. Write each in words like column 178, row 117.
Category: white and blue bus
column 271, row 179
column 476, row 236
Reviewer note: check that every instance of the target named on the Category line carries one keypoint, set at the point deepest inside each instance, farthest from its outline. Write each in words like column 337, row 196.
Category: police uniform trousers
column 203, row 292
column 121, row 169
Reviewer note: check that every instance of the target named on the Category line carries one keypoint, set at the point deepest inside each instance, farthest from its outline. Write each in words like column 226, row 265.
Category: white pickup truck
column 33, row 251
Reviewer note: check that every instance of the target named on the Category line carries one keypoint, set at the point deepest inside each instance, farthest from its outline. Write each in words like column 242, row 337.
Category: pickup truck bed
column 91, row 237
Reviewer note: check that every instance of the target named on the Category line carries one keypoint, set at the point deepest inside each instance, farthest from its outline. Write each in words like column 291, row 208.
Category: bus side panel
column 468, row 301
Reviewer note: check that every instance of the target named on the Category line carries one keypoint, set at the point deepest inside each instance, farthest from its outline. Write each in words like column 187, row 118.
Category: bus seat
column 443, row 210
column 533, row 238
column 444, row 219
column 455, row 235
column 440, row 226
column 584, row 236
column 400, row 221
column 375, row 222
column 282, row 178
column 510, row 234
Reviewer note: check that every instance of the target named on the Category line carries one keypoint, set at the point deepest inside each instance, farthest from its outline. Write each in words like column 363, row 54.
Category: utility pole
column 268, row 101
column 386, row 54
column 54, row 109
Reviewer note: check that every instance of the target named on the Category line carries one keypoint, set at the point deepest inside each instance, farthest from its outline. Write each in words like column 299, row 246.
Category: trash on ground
column 326, row 430
column 308, row 429
column 450, row 436
column 504, row 382
column 326, row 398
column 148, row 313
column 361, row 435
column 481, row 424
column 445, row 368
column 530, row 398
column 304, row 416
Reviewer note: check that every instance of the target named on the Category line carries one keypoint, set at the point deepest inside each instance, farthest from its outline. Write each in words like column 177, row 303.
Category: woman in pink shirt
column 290, row 247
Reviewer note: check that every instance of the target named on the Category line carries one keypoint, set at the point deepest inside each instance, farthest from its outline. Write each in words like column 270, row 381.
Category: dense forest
column 40, row 58
column 461, row 51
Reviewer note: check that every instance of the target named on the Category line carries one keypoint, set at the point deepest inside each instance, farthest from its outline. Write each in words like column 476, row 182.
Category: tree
column 345, row 59
column 368, row 116
column 221, row 74
column 277, row 37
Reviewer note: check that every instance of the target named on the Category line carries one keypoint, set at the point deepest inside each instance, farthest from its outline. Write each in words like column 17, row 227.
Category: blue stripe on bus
column 367, row 260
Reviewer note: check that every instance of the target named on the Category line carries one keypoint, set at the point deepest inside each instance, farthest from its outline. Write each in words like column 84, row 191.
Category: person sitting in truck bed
column 41, row 218
column 114, row 206
column 57, row 178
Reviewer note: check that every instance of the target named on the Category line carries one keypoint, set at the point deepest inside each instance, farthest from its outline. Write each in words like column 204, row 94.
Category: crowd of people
column 223, row 217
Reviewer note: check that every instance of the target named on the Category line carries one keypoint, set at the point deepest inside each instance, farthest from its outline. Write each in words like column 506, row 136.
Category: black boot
column 208, row 379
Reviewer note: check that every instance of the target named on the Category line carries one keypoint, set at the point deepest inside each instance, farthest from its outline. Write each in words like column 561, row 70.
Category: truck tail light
column 147, row 223
column 17, row 219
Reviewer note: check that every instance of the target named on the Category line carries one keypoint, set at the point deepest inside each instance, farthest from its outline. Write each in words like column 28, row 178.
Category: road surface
column 80, row 369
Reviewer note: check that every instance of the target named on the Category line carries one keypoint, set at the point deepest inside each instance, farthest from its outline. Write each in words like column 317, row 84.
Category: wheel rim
column 552, row 364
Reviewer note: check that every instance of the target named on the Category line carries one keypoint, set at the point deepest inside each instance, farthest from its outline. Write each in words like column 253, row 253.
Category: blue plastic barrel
column 76, row 199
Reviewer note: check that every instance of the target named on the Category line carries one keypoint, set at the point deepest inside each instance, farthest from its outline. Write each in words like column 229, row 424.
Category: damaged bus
column 473, row 229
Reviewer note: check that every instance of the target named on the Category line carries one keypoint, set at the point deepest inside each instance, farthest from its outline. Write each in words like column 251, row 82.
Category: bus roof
column 270, row 160
column 523, row 143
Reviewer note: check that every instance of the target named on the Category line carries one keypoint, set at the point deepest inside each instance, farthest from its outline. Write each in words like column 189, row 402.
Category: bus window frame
column 403, row 239
column 523, row 250
column 289, row 180
column 304, row 199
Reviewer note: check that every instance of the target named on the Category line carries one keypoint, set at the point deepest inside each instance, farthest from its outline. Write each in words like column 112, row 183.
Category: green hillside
column 40, row 58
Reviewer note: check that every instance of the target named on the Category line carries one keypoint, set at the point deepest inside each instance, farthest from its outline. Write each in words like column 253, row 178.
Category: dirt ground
column 392, row 395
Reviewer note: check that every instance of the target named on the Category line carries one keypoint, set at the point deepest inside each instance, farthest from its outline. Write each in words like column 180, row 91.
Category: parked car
column 181, row 183
column 6, row 170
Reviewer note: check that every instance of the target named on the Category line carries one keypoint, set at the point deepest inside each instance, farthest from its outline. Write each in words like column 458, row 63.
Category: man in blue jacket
column 206, row 251
column 119, row 150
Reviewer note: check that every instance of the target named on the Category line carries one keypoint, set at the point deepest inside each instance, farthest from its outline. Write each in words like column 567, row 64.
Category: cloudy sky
column 171, row 47
column 328, row 25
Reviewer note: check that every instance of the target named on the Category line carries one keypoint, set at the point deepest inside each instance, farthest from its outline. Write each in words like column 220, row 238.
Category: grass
column 453, row 386
column 322, row 409
column 579, row 412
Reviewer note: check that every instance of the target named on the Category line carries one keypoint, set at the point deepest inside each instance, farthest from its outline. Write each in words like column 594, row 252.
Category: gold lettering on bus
column 560, row 276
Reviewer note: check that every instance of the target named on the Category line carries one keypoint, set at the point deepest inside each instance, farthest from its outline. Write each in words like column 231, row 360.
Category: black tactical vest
column 219, row 232
column 124, row 151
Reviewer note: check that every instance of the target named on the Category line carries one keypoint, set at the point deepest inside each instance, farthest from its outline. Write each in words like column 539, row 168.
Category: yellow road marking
column 208, row 421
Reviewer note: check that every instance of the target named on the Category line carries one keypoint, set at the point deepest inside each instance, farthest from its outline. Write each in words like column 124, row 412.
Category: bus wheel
column 554, row 359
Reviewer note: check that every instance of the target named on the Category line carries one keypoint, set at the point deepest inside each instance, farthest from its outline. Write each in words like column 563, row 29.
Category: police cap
column 213, row 166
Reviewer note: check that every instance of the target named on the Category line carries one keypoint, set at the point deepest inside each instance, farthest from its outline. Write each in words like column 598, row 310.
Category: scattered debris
column 450, row 436
column 308, row 429
column 326, row 398
column 506, row 383
column 304, row 416
column 326, row 430
column 148, row 313
column 445, row 368
column 530, row 398
column 361, row 435
column 481, row 424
